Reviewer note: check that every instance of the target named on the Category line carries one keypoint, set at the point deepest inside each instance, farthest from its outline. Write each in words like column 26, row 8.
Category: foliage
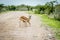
column 1, row 7
column 57, row 12
column 12, row 7
column 37, row 11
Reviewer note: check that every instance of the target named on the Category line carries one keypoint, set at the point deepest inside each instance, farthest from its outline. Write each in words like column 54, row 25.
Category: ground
column 10, row 28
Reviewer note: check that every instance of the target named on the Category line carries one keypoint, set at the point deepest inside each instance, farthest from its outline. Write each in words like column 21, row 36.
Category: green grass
column 4, row 12
column 49, row 21
column 55, row 24
column 46, row 20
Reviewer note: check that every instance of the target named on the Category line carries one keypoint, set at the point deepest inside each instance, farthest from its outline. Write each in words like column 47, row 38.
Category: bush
column 57, row 16
column 48, row 11
column 37, row 11
column 57, row 12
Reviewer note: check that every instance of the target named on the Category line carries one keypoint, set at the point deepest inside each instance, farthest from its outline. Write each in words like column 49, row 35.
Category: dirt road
column 10, row 29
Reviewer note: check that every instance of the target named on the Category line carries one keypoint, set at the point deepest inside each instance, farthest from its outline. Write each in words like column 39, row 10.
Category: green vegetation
column 55, row 24
column 50, row 21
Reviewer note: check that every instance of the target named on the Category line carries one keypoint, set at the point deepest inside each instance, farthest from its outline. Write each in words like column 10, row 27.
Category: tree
column 1, row 7
column 57, row 12
column 12, row 7
column 50, row 7
column 28, row 7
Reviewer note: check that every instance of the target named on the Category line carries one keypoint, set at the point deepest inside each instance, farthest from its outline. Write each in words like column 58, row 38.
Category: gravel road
column 10, row 28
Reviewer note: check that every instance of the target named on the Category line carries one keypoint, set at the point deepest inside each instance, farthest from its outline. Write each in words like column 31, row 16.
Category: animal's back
column 23, row 17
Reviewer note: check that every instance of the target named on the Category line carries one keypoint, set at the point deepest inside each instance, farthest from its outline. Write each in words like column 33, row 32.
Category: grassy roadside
column 55, row 24
column 51, row 22
column 4, row 12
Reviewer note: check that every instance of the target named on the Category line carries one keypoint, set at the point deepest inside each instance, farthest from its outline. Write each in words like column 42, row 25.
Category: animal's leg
column 25, row 24
column 29, row 23
column 19, row 23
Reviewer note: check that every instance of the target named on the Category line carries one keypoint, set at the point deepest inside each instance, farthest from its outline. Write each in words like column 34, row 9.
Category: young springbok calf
column 25, row 20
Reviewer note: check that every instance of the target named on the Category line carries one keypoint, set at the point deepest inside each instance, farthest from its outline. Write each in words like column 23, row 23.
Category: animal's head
column 29, row 16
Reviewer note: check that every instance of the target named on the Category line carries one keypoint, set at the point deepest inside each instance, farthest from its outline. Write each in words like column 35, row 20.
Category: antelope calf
column 25, row 19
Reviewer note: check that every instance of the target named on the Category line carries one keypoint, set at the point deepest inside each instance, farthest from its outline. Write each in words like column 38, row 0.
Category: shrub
column 57, row 12
column 37, row 11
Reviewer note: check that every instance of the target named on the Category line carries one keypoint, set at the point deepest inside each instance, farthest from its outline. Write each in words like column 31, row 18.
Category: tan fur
column 24, row 19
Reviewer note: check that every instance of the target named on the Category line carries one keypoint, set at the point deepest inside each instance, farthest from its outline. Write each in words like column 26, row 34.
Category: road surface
column 10, row 28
